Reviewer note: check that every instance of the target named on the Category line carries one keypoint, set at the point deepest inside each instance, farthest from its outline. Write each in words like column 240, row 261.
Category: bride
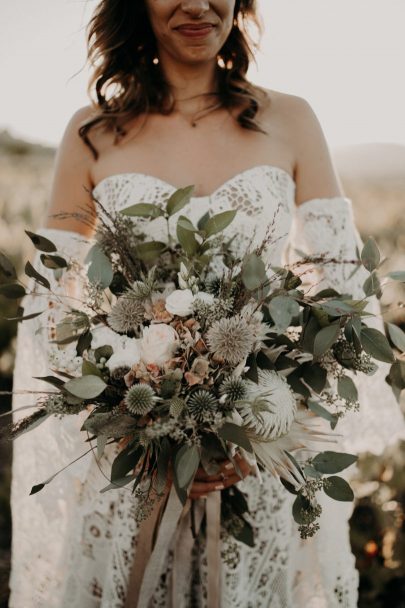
column 174, row 108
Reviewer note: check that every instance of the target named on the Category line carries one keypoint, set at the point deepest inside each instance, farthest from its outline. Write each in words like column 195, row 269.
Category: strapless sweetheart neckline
column 169, row 185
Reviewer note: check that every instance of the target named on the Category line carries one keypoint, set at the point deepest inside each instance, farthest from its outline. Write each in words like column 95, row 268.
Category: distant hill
column 19, row 147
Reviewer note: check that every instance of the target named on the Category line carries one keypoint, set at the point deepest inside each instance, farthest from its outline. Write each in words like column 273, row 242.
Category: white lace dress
column 73, row 547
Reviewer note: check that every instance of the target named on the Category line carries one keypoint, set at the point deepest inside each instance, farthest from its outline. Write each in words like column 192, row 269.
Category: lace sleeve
column 326, row 226
column 40, row 521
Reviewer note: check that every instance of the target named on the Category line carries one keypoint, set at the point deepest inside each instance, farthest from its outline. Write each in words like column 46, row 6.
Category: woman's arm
column 315, row 174
column 71, row 179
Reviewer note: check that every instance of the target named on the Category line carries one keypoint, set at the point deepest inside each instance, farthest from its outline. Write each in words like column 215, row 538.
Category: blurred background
column 346, row 58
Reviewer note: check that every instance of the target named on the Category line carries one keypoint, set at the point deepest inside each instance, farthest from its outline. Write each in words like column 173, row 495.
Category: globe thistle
column 200, row 404
column 270, row 408
column 126, row 315
column 231, row 339
column 176, row 406
column 118, row 373
column 209, row 313
column 255, row 320
column 140, row 399
column 214, row 285
column 233, row 389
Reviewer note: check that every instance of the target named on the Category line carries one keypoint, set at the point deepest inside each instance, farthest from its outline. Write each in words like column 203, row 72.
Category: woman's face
column 191, row 31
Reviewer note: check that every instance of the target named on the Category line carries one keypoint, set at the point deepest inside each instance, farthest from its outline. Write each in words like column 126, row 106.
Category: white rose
column 125, row 355
column 180, row 302
column 158, row 344
column 103, row 335
column 207, row 298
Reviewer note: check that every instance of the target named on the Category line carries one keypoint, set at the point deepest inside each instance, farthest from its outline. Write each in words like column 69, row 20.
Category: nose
column 195, row 8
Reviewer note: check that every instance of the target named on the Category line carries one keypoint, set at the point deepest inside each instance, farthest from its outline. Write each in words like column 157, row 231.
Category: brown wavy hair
column 127, row 80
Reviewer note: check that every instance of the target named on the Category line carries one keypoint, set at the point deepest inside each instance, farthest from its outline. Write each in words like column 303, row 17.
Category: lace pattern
column 74, row 546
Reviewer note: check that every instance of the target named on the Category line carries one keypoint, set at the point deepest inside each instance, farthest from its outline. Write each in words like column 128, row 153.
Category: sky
column 345, row 57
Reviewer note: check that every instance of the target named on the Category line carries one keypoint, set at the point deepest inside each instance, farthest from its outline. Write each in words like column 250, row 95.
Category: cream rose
column 180, row 302
column 158, row 344
column 207, row 298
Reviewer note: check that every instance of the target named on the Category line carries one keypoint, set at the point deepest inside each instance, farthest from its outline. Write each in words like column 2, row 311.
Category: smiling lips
column 195, row 30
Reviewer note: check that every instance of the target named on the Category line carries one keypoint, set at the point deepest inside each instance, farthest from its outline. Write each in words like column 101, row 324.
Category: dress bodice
column 262, row 195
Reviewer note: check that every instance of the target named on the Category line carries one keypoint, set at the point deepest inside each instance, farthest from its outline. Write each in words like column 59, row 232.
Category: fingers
column 205, row 484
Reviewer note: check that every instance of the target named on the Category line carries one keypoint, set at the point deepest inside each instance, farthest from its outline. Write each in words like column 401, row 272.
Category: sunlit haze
column 345, row 57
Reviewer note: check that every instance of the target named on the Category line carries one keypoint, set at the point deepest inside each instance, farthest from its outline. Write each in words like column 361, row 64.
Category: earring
column 155, row 60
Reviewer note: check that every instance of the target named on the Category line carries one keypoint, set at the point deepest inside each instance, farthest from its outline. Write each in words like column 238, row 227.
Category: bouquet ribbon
column 169, row 526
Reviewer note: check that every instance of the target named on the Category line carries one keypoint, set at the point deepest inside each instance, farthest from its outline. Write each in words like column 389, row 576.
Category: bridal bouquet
column 184, row 354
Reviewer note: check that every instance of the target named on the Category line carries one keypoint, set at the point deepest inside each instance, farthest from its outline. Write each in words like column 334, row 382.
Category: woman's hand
column 226, row 476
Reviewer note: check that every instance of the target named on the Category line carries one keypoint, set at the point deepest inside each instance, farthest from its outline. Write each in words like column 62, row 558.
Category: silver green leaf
column 143, row 210
column 100, row 271
column 186, row 464
column 338, row 489
column 86, row 387
column 179, row 199
column 333, row 462
column 376, row 345
column 325, row 338
column 218, row 223
column 370, row 255
column 397, row 336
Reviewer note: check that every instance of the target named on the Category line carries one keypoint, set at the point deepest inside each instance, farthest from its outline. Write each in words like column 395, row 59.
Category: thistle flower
column 270, row 408
column 140, row 399
column 233, row 389
column 211, row 312
column 126, row 315
column 201, row 403
column 255, row 320
column 231, row 339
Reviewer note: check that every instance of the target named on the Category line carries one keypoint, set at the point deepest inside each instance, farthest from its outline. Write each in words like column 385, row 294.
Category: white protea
column 255, row 320
column 231, row 339
column 270, row 407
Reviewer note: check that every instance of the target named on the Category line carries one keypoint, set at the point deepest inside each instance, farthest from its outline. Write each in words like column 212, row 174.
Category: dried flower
column 233, row 389
column 231, row 339
column 126, row 315
column 140, row 399
column 200, row 403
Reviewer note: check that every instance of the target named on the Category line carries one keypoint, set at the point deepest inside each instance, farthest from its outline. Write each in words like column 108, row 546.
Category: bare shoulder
column 71, row 183
column 314, row 171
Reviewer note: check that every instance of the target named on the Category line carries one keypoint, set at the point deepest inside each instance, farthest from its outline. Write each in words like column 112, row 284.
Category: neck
column 190, row 84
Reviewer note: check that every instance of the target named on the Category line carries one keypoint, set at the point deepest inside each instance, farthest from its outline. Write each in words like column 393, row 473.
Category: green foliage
column 333, row 462
column 86, row 387
column 325, row 338
column 370, row 255
column 143, row 210
column 41, row 243
column 376, row 345
column 338, row 489
column 100, row 271
column 186, row 464
column 236, row 434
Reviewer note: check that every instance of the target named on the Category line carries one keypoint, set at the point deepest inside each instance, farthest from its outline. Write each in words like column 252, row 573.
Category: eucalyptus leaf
column 397, row 275
column 333, row 462
column 282, row 310
column 370, row 255
column 253, row 272
column 179, row 199
column 41, row 243
column 302, row 512
column 397, row 336
column 6, row 268
column 32, row 273
column 338, row 489
column 125, row 462
column 149, row 251
column 372, row 285
column 217, row 223
column 86, row 387
column 376, row 345
column 325, row 338
column 322, row 412
column 100, row 271
column 337, row 308
column 25, row 317
column 118, row 483
column 346, row 388
column 12, row 291
column 143, row 210
column 236, row 434
column 203, row 221
column 185, row 223
column 186, row 465
column 187, row 240
column 54, row 262
column 90, row 369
